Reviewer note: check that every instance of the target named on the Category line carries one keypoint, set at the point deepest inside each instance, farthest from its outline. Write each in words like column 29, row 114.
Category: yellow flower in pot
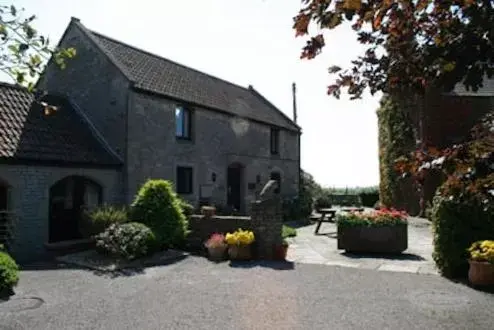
column 481, row 262
column 239, row 244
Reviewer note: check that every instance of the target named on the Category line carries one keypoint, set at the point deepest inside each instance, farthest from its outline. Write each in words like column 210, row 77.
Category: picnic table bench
column 328, row 215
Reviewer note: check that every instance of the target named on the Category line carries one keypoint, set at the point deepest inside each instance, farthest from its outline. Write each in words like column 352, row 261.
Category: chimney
column 294, row 95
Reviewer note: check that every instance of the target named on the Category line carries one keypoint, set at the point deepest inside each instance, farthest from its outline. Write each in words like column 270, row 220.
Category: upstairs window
column 183, row 123
column 184, row 180
column 275, row 141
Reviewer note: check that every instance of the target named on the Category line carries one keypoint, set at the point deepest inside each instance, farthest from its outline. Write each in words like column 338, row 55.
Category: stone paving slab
column 322, row 249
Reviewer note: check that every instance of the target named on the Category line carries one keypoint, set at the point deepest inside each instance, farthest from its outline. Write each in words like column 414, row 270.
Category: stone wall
column 265, row 221
column 29, row 196
column 94, row 84
column 218, row 140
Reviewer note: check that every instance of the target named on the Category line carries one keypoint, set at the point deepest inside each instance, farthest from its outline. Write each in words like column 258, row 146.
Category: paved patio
column 321, row 249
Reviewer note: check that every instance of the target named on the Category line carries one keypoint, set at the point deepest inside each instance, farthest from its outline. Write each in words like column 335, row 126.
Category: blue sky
column 246, row 42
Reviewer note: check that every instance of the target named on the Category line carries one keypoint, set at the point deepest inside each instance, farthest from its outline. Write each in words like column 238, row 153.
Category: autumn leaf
column 301, row 24
column 332, row 89
column 352, row 4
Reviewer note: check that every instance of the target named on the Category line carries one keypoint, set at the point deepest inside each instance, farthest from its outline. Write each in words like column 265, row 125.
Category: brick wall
column 29, row 201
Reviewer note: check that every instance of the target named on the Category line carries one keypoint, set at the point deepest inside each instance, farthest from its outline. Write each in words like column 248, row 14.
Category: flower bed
column 382, row 231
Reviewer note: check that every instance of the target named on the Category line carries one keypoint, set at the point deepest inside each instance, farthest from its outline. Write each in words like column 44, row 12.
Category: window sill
column 184, row 140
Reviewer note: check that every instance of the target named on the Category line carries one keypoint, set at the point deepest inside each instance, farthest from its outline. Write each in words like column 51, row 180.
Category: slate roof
column 156, row 74
column 26, row 133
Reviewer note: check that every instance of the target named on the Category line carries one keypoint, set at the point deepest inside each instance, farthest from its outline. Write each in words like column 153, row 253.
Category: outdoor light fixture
column 213, row 177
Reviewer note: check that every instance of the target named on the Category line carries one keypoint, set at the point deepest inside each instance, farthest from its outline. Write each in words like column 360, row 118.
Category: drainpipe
column 294, row 104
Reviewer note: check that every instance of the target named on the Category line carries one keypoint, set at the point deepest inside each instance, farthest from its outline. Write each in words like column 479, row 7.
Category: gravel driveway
column 197, row 294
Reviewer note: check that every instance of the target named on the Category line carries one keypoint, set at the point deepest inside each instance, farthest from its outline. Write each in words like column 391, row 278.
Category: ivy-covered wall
column 396, row 139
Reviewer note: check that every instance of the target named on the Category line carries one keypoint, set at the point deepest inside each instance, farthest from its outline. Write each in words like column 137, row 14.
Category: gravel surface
column 197, row 294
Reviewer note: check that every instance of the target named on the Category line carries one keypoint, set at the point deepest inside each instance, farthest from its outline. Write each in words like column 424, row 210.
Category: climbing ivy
column 396, row 139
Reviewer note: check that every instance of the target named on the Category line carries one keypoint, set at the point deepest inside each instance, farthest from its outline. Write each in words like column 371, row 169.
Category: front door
column 234, row 180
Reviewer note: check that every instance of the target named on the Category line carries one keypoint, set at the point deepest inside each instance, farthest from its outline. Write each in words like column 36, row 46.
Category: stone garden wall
column 265, row 221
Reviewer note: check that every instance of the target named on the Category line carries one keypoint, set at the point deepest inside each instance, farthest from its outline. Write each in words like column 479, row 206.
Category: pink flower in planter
column 216, row 240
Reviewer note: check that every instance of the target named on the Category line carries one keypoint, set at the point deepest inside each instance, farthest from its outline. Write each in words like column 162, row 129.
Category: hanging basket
column 240, row 252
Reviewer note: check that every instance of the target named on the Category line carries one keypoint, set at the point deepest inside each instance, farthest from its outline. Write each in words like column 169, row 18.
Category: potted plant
column 481, row 262
column 281, row 250
column 239, row 244
column 216, row 247
column 381, row 231
column 208, row 211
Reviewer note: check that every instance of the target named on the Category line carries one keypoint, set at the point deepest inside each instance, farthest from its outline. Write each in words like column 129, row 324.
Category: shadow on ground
column 402, row 256
column 132, row 268
column 276, row 265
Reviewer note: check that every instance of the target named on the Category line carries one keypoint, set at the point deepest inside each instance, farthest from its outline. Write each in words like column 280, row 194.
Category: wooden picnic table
column 328, row 215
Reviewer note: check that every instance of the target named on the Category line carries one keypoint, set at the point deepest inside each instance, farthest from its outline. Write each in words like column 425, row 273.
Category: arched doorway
column 4, row 196
column 69, row 198
column 276, row 176
column 234, row 186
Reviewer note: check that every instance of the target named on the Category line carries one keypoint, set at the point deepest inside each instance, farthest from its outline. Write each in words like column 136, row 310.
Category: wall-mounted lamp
column 213, row 177
column 258, row 178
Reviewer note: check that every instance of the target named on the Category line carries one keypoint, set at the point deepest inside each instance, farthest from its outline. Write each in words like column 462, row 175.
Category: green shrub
column 187, row 208
column 9, row 271
column 324, row 201
column 297, row 208
column 288, row 231
column 369, row 199
column 129, row 240
column 456, row 225
column 99, row 219
column 158, row 206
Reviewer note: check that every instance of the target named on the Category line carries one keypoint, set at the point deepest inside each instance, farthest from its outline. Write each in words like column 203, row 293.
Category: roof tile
column 155, row 74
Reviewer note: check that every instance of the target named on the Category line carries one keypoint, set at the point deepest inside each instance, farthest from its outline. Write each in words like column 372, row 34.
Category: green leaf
column 20, row 77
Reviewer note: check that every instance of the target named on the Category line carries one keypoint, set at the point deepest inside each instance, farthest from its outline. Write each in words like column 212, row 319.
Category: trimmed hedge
column 456, row 225
column 9, row 272
column 158, row 207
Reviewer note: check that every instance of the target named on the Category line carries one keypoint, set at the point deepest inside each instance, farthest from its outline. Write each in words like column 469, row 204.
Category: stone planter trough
column 388, row 239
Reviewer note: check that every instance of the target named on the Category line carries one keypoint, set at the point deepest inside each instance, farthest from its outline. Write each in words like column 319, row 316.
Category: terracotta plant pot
column 280, row 252
column 240, row 252
column 481, row 273
column 217, row 253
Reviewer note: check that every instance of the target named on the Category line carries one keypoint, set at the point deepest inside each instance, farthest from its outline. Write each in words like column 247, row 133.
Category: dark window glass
column 275, row 141
column 184, row 180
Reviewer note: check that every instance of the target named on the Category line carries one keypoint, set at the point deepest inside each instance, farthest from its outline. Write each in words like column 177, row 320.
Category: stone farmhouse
column 125, row 115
